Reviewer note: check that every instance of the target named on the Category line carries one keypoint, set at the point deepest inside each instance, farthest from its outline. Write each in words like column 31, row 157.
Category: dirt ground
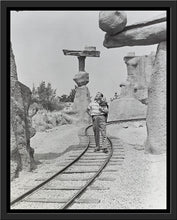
column 139, row 183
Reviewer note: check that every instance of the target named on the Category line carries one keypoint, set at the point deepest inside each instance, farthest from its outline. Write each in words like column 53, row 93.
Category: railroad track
column 83, row 169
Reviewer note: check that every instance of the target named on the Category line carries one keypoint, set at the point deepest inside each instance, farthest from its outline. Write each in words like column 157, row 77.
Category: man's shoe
column 105, row 151
column 97, row 149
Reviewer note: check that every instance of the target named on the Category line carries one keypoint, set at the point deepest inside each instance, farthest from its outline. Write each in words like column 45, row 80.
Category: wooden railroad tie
column 47, row 200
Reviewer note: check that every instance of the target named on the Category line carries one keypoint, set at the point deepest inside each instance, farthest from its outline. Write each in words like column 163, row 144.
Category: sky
column 38, row 38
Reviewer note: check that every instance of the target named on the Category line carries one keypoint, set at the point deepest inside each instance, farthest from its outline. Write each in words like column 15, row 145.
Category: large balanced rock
column 82, row 78
column 21, row 130
column 82, row 96
column 148, row 32
column 156, row 112
column 112, row 22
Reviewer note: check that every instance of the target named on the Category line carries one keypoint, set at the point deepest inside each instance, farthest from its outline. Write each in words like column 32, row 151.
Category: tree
column 50, row 96
column 64, row 98
column 34, row 95
column 44, row 95
column 72, row 95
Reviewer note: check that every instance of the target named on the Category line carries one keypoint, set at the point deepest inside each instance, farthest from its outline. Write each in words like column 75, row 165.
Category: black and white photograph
column 88, row 109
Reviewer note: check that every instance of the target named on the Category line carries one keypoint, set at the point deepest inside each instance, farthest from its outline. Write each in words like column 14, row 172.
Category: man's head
column 98, row 96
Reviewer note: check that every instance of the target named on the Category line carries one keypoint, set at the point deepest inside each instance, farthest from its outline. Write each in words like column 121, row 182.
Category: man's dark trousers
column 99, row 125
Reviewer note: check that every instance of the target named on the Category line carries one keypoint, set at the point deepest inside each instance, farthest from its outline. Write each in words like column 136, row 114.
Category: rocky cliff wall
column 21, row 129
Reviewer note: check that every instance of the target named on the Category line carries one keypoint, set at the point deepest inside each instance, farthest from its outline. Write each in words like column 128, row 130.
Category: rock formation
column 21, row 129
column 139, row 70
column 134, row 90
column 127, row 106
column 81, row 102
column 156, row 112
column 147, row 32
column 152, row 31
column 82, row 96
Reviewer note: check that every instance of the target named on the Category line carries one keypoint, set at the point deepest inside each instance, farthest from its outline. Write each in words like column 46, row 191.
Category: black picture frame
column 6, row 6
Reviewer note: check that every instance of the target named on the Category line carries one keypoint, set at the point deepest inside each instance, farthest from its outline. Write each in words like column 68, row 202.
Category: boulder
column 112, row 22
column 81, row 79
column 126, row 108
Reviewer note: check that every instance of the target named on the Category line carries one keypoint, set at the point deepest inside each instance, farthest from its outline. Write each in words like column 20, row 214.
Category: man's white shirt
column 94, row 108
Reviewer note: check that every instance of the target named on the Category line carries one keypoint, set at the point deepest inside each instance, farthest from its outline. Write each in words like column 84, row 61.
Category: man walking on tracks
column 98, row 110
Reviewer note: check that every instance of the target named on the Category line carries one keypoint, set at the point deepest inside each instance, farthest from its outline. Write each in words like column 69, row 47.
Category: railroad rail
column 78, row 167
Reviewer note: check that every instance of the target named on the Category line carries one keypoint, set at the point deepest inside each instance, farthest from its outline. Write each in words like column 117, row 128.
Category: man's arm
column 104, row 109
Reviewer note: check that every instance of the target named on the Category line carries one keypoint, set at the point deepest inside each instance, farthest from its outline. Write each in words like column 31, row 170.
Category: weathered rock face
column 21, row 130
column 126, row 108
column 81, row 102
column 139, row 70
column 156, row 112
column 127, row 90
column 147, row 35
column 112, row 22
column 134, row 91
column 82, row 97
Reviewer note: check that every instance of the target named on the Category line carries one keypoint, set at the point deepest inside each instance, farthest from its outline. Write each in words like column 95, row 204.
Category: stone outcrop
column 156, row 113
column 81, row 102
column 127, row 89
column 21, row 129
column 149, row 32
column 139, row 70
column 82, row 96
column 112, row 22
column 126, row 108
column 134, row 92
